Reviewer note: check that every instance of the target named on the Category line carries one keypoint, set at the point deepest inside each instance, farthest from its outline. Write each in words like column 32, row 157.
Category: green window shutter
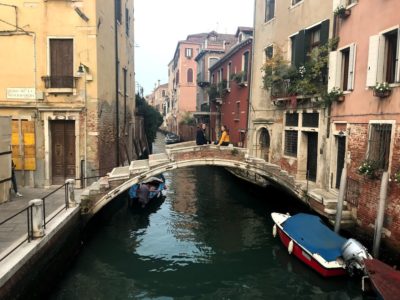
column 324, row 33
column 300, row 49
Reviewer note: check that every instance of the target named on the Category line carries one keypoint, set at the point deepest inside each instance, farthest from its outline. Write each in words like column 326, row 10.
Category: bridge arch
column 189, row 156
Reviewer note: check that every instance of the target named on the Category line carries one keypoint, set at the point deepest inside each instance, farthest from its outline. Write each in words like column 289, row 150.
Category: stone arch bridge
column 187, row 154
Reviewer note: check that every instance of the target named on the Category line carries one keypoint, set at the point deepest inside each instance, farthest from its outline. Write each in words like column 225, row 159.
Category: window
column 345, row 69
column 391, row 56
column 269, row 52
column 177, row 77
column 118, row 10
column 341, row 68
column 269, row 9
column 291, row 142
column 127, row 21
column 228, row 75
column 306, row 40
column 245, row 66
column 379, row 144
column 296, row 1
column 237, row 110
column 383, row 58
column 190, row 75
column 212, row 61
column 315, row 38
column 310, row 120
column 292, row 119
column 163, row 93
column 188, row 52
column 61, row 63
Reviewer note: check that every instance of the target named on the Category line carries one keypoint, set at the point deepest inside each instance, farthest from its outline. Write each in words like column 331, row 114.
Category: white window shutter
column 397, row 77
column 373, row 55
column 333, row 79
column 352, row 62
column 336, row 3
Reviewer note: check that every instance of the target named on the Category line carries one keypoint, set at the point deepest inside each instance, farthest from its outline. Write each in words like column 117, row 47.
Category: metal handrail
column 29, row 213
column 29, row 237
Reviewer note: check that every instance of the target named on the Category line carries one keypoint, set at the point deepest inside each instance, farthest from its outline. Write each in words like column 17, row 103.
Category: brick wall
column 370, row 188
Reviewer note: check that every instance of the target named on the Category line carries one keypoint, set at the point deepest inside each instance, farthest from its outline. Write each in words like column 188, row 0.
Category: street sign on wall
column 21, row 93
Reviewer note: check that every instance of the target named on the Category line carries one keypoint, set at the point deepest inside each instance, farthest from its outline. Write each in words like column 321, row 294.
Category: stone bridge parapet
column 188, row 154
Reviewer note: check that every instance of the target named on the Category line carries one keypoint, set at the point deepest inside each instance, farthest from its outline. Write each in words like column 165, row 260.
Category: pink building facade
column 365, row 125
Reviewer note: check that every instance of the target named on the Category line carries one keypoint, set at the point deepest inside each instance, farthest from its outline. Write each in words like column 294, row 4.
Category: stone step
column 346, row 214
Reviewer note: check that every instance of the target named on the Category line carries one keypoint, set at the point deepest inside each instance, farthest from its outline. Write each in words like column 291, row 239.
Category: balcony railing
column 59, row 82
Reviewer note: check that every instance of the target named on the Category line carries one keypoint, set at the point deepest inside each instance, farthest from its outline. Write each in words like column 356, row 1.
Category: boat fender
column 290, row 247
column 274, row 230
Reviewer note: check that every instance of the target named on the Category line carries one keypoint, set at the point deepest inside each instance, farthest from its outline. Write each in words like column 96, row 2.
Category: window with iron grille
column 379, row 144
column 292, row 119
column 310, row 119
column 291, row 142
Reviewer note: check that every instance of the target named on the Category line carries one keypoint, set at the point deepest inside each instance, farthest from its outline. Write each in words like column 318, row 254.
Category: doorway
column 264, row 144
column 63, row 151
column 341, row 147
column 312, row 155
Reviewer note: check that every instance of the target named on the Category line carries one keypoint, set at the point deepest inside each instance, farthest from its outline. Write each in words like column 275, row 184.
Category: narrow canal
column 210, row 239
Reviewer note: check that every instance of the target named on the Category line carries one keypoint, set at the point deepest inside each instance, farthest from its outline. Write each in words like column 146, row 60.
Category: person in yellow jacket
column 224, row 140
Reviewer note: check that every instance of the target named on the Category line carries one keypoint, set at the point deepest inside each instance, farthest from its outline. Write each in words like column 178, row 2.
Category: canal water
column 210, row 239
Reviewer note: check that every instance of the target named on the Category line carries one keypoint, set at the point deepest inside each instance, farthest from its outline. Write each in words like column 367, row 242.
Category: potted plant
column 336, row 94
column 342, row 12
column 368, row 168
column 239, row 78
column 382, row 90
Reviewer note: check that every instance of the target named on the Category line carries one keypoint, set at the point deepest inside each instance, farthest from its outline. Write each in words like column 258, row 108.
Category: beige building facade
column 289, row 128
column 67, row 81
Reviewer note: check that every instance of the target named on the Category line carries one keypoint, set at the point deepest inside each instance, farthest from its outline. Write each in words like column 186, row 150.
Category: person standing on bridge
column 201, row 135
column 224, row 140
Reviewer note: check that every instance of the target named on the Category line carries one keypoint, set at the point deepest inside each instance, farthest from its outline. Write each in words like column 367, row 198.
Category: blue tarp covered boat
column 314, row 236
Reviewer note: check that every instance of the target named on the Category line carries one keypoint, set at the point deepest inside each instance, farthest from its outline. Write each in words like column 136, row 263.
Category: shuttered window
column 23, row 145
column 341, row 68
column 61, row 63
column 383, row 58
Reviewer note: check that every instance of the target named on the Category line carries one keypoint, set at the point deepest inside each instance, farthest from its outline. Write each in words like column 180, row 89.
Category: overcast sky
column 160, row 24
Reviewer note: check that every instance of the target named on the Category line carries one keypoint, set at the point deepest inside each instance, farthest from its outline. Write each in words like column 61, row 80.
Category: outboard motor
column 354, row 253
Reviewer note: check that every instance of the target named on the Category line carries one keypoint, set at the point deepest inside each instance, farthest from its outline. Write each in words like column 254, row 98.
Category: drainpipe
column 116, row 82
column 381, row 214
column 339, row 207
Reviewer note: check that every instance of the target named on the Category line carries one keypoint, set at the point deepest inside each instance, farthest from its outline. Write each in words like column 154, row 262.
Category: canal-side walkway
column 16, row 229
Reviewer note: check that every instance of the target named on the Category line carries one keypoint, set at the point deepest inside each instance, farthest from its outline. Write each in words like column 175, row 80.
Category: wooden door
column 61, row 63
column 63, row 151
column 312, row 155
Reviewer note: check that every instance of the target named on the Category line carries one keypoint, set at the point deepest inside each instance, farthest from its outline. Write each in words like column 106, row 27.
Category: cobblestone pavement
column 15, row 229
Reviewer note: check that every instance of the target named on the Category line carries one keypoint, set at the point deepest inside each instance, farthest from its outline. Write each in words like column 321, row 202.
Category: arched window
column 190, row 75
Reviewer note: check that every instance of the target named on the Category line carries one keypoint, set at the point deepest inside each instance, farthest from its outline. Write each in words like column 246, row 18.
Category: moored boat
column 306, row 237
column 147, row 192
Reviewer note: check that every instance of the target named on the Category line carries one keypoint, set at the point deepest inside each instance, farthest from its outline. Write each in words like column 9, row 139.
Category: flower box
column 382, row 94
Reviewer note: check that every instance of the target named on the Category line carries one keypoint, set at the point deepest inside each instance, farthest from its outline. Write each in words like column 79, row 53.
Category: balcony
column 201, row 81
column 60, row 84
